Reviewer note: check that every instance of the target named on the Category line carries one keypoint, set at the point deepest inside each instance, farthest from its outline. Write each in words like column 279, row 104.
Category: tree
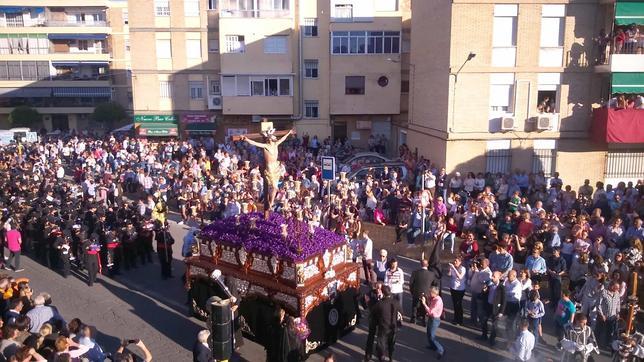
column 24, row 116
column 109, row 113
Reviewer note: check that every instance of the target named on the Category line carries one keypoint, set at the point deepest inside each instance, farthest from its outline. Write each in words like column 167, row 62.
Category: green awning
column 629, row 12
column 157, row 129
column 627, row 82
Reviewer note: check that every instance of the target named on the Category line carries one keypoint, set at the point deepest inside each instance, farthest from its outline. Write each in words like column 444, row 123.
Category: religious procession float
column 278, row 261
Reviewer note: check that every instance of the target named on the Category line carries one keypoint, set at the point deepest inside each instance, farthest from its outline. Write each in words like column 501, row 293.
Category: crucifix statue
column 271, row 169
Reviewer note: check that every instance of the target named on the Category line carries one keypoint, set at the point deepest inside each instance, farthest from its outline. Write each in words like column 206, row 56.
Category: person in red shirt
column 14, row 244
column 434, row 308
column 526, row 226
column 469, row 249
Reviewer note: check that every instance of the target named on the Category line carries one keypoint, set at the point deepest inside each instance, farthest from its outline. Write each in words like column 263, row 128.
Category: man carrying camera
column 480, row 274
column 434, row 309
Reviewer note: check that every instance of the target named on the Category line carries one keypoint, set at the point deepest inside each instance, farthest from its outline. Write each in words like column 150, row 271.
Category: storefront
column 147, row 125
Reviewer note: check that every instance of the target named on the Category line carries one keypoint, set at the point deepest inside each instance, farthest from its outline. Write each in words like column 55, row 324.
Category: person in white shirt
column 395, row 280
column 366, row 251
column 457, row 288
column 478, row 278
column 513, row 292
column 60, row 172
column 523, row 345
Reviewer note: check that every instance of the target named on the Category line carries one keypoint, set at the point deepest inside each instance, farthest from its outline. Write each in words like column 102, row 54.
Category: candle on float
column 284, row 230
column 311, row 228
column 253, row 223
column 237, row 220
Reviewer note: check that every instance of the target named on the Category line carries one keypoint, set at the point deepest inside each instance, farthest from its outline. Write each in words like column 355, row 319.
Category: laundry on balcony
column 82, row 92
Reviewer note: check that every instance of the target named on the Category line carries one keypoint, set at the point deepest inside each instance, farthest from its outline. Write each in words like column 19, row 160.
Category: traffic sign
column 328, row 168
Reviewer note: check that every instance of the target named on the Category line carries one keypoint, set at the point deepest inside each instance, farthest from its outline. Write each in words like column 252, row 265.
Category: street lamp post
column 470, row 56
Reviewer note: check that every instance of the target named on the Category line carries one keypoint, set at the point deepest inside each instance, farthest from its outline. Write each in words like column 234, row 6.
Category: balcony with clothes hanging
column 79, row 47
column 622, row 49
column 621, row 118
column 254, row 9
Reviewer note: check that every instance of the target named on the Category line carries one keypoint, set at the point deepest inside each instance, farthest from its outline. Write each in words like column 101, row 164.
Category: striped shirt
column 609, row 303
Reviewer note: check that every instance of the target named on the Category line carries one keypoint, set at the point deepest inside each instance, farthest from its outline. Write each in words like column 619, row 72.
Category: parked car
column 378, row 170
column 360, row 160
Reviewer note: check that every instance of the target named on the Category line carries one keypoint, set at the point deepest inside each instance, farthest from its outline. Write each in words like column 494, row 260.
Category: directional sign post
column 328, row 168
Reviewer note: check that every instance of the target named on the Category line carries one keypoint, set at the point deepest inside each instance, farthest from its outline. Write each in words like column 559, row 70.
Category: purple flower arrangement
column 266, row 236
column 301, row 328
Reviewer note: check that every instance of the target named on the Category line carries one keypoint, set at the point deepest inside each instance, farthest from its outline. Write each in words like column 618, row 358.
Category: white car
column 360, row 160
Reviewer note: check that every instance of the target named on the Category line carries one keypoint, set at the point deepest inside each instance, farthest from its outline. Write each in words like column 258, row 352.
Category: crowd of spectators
column 80, row 201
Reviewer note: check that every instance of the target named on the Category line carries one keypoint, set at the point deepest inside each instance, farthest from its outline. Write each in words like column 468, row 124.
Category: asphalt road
column 139, row 304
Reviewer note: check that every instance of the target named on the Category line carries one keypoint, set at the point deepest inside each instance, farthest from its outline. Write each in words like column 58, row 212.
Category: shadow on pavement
column 168, row 321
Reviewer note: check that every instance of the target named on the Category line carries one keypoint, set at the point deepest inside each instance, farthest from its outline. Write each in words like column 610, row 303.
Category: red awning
column 618, row 125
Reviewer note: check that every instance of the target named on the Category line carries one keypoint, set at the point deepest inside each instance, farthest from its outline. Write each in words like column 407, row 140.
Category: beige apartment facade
column 275, row 60
column 523, row 100
column 62, row 58
column 175, row 66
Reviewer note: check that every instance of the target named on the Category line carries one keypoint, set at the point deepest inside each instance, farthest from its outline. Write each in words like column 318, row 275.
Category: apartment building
column 505, row 86
column 325, row 67
column 63, row 57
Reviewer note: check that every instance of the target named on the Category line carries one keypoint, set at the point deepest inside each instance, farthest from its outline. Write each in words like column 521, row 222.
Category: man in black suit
column 494, row 294
column 201, row 351
column 419, row 283
column 384, row 318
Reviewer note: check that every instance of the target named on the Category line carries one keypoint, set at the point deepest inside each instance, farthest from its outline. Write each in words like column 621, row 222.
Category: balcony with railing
column 19, row 17
column 78, row 23
column 37, row 44
column 620, row 54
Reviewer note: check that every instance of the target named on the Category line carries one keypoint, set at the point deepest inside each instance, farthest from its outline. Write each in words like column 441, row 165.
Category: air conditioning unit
column 214, row 102
column 256, row 119
column 46, row 118
column 545, row 123
column 508, row 123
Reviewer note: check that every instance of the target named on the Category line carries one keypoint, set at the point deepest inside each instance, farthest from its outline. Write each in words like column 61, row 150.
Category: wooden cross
column 265, row 126
column 257, row 135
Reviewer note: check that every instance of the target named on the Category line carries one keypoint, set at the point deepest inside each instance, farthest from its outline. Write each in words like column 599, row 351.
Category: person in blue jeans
column 415, row 224
column 434, row 308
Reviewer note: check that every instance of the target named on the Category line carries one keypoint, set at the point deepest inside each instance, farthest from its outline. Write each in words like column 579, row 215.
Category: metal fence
column 624, row 164
column 498, row 161
column 544, row 160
